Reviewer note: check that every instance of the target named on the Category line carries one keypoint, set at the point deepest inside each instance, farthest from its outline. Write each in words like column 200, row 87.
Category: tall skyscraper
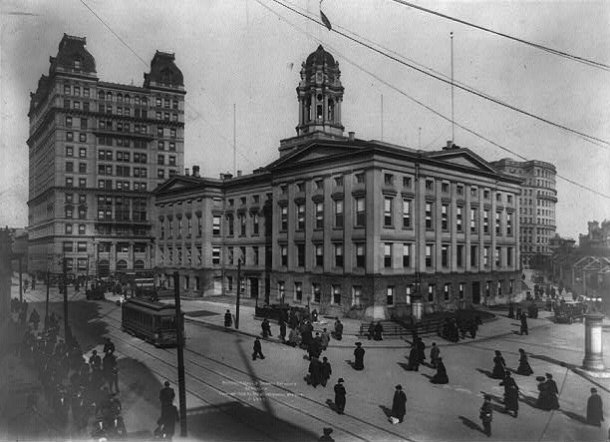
column 96, row 151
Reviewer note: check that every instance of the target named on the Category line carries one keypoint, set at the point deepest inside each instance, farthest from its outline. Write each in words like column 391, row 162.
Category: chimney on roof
column 186, row 171
column 449, row 145
column 196, row 171
column 226, row 176
column 239, row 173
column 351, row 136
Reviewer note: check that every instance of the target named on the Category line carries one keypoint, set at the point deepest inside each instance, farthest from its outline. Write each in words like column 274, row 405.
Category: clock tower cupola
column 320, row 94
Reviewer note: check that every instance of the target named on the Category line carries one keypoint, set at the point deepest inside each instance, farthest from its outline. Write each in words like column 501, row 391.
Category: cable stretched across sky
column 567, row 55
column 590, row 138
column 420, row 103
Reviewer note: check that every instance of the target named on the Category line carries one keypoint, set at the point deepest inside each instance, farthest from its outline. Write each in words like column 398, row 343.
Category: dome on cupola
column 319, row 57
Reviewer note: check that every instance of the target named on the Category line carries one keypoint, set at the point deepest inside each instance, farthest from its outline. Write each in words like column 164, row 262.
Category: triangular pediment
column 314, row 152
column 176, row 183
column 463, row 157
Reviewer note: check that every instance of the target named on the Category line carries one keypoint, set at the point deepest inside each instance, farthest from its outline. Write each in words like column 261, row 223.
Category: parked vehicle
column 568, row 312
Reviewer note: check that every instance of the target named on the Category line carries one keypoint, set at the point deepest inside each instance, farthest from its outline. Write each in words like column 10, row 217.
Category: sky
column 246, row 55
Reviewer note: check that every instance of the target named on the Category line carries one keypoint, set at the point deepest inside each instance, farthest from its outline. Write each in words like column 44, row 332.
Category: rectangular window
column 359, row 178
column 429, row 185
column 429, row 257
column 319, row 215
column 230, row 225
column 389, row 297
column 406, row 256
column 338, row 255
column 498, row 257
column 339, row 213
column 298, row 291
column 82, row 152
column 509, row 256
column 444, row 217
column 255, row 224
column 336, row 299
column 388, row 179
column 319, row 255
column 68, row 246
column 486, row 256
column 461, row 290
column 474, row 218
column 230, row 255
column 360, row 212
column 82, row 246
column 316, row 292
column 360, row 255
column 509, row 224
column 446, row 291
column 429, row 219
column 215, row 255
column 284, row 218
column 68, row 229
column 284, row 255
column 486, row 221
column 387, row 212
column 387, row 255
column 216, row 225
column 444, row 255
column 82, row 167
column 445, row 187
column 406, row 214
column 498, row 222
column 69, row 166
column 300, row 216
column 408, row 294
column 356, row 295
column 460, row 255
column 431, row 288
column 70, row 136
column 459, row 215
column 242, row 225
column 300, row 255
column 406, row 181
column 68, row 121
column 473, row 256
column 69, row 151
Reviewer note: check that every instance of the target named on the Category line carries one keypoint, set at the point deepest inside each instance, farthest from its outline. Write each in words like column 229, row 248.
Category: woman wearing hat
column 524, row 366
column 499, row 366
column 340, row 396
column 359, row 357
column 399, row 405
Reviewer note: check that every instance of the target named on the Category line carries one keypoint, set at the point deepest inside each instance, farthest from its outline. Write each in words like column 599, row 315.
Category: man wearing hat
column 326, row 437
column 166, row 395
column 553, row 392
column 399, row 405
column 595, row 411
column 340, row 396
column 486, row 415
column 359, row 357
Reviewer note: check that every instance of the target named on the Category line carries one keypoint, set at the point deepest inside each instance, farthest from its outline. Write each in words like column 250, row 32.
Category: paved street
column 231, row 397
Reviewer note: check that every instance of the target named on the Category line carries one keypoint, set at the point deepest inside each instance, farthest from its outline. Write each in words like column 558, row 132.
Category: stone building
column 96, row 150
column 351, row 227
column 537, row 206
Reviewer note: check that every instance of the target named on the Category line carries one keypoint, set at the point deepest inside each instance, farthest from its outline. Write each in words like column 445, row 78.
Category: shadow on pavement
column 471, row 424
column 221, row 422
column 575, row 416
column 387, row 411
column 486, row 373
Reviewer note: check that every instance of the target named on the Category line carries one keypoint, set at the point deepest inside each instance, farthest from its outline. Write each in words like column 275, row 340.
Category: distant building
column 96, row 151
column 597, row 239
column 348, row 226
column 537, row 206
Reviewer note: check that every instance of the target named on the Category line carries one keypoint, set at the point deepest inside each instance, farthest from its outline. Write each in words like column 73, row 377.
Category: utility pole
column 20, row 280
column 67, row 334
column 180, row 352
column 46, row 309
column 238, row 293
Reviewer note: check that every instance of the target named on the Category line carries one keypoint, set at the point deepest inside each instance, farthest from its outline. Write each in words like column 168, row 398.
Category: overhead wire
column 563, row 54
column 197, row 113
column 429, row 108
column 590, row 138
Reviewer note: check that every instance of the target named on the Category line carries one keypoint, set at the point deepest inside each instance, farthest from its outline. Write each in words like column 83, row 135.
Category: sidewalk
column 211, row 312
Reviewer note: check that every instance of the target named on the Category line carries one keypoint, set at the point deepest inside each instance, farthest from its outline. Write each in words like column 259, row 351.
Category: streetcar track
column 284, row 389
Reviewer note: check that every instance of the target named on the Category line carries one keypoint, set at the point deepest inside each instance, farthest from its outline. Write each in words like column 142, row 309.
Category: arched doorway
column 121, row 265
column 138, row 265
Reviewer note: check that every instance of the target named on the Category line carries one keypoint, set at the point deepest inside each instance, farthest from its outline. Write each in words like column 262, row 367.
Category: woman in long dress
column 511, row 394
column 499, row 369
column 524, row 366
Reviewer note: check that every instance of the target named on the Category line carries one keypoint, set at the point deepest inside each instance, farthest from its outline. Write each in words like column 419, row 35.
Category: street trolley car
column 154, row 322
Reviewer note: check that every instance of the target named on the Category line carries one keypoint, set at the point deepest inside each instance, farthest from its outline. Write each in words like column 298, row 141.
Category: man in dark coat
column 167, row 422
column 434, row 354
column 511, row 394
column 108, row 346
column 282, row 329
column 228, row 319
column 595, row 411
column 553, row 391
column 378, row 331
column 486, row 415
column 371, row 333
column 359, row 357
column 266, row 328
column 95, row 361
column 338, row 334
column 324, row 339
column 413, row 358
column 421, row 350
column 326, row 370
column 166, row 395
column 111, row 373
column 315, row 372
column 399, row 404
column 441, row 373
column 523, row 324
column 340, row 396
column 258, row 351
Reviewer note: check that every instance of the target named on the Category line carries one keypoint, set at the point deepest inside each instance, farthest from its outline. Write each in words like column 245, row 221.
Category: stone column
column 594, row 355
